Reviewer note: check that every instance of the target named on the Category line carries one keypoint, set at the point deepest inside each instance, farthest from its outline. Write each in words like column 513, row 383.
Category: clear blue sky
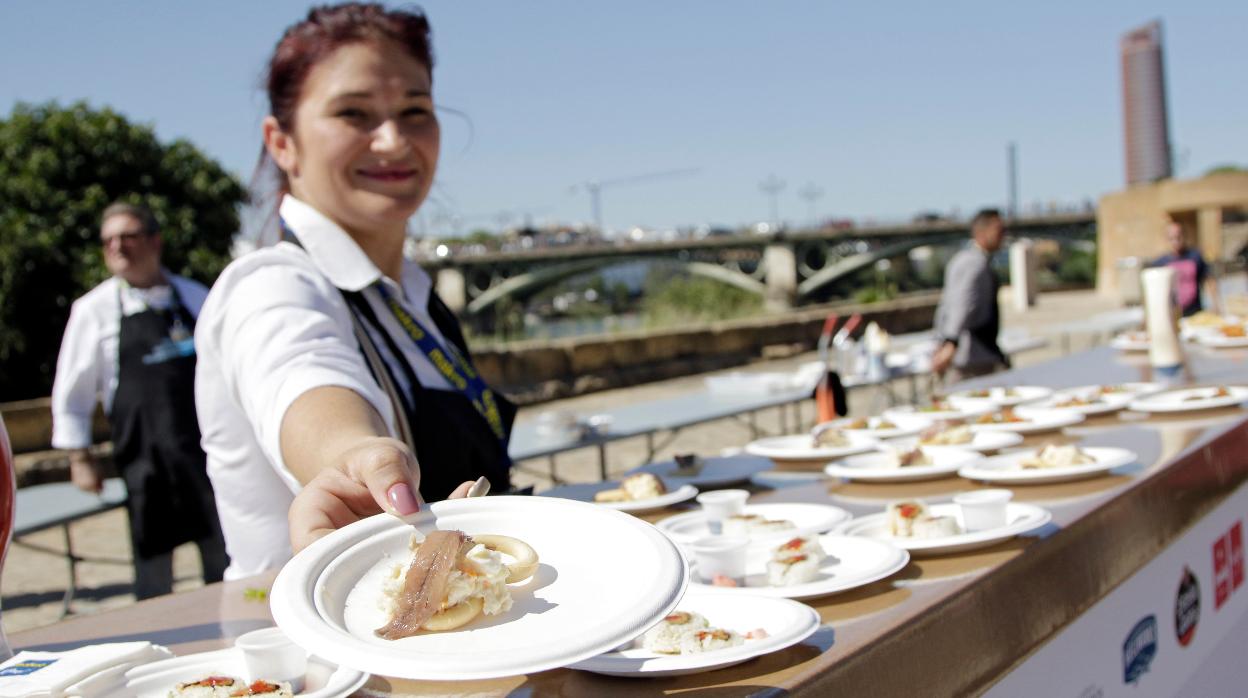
column 888, row 110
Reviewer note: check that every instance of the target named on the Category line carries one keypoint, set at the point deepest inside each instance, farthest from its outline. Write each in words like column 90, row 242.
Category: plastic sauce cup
column 721, row 504
column 271, row 656
column 719, row 555
column 983, row 509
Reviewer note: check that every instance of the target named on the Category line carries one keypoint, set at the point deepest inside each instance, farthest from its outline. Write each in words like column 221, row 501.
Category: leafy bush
column 675, row 298
column 59, row 169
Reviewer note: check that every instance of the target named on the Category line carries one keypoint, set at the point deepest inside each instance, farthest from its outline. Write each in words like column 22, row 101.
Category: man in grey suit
column 968, row 319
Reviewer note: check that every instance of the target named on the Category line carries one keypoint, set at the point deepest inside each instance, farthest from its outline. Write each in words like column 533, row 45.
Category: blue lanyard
column 450, row 363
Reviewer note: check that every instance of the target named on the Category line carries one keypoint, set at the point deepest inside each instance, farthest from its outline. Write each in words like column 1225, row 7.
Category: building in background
column 1145, row 125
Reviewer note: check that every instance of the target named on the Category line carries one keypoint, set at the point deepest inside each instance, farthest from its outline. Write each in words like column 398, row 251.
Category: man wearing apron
column 129, row 344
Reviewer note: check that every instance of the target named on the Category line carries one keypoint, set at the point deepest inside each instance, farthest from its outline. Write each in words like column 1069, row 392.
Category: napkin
column 86, row 671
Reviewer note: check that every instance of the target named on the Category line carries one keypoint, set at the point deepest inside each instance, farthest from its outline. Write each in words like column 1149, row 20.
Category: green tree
column 59, row 168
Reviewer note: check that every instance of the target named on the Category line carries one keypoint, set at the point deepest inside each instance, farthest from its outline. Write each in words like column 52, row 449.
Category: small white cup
column 720, row 504
column 983, row 509
column 271, row 656
column 720, row 555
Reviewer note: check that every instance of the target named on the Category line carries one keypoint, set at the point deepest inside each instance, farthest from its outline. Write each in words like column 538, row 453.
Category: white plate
column 797, row 447
column 1021, row 517
column 873, row 467
column 1005, row 467
column 1104, row 404
column 907, row 425
column 1219, row 341
column 1176, row 400
column 638, row 506
column 1037, row 421
column 326, row 597
column 1020, row 394
column 777, row 479
column 1130, row 342
column 714, row 471
column 963, row 410
column 851, row 563
column 786, row 622
column 981, row 441
column 808, row 518
column 155, row 680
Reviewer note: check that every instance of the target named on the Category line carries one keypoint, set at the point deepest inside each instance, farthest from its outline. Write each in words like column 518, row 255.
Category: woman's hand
column 375, row 475
column 379, row 474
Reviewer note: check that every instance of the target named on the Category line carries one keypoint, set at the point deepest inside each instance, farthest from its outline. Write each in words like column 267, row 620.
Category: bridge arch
column 856, row 263
column 533, row 281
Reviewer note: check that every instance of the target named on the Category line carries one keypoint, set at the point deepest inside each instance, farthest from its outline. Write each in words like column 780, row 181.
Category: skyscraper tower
column 1145, row 125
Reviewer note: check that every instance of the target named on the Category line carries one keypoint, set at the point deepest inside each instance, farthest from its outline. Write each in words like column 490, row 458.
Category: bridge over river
column 787, row 269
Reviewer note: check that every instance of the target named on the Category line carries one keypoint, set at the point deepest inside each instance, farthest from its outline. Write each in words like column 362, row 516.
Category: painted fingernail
column 403, row 499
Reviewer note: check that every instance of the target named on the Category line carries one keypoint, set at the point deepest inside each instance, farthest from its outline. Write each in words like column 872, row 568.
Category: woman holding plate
column 333, row 383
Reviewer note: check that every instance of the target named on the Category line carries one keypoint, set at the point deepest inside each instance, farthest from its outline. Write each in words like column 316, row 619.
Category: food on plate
column 1005, row 416
column 872, row 423
column 634, row 488
column 1204, row 318
column 709, row 639
column 795, row 562
column 1232, row 331
column 230, row 687
column 911, row 519
column 827, row 436
column 723, row 580
column 945, row 434
column 451, row 579
column 936, row 406
column 1114, row 389
column 1201, row 395
column 1079, row 401
column 1054, row 456
column 753, row 525
column 800, row 546
column 906, row 458
column 683, row 632
column 665, row 637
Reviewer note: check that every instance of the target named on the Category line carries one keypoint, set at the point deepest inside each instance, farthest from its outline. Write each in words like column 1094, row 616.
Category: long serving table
column 943, row 626
column 669, row 416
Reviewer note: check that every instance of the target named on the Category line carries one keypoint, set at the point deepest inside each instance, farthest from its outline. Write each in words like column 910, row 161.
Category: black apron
column 156, row 433
column 986, row 333
column 452, row 440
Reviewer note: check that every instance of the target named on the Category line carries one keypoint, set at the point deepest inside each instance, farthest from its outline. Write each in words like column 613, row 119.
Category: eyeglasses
column 126, row 238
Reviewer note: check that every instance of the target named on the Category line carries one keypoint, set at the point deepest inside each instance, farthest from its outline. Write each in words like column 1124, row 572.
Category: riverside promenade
column 33, row 582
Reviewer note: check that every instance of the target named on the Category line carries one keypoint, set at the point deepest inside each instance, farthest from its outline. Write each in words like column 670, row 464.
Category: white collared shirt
column 86, row 369
column 275, row 326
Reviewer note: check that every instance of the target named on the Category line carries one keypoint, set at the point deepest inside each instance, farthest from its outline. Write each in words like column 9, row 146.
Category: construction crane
column 595, row 187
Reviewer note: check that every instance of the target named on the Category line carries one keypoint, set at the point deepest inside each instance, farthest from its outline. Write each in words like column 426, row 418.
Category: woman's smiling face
column 365, row 139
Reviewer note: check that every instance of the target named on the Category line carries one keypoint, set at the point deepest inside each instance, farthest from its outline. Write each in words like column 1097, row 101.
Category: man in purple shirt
column 1190, row 272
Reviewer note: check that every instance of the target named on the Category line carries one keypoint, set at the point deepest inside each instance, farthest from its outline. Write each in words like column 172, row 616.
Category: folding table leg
column 73, row 571
column 554, row 477
column 602, row 461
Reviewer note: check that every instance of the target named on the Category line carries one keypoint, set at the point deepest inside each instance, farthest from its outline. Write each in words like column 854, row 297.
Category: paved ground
column 33, row 582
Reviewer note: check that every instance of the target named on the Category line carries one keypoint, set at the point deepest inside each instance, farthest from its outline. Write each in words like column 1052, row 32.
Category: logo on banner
column 1139, row 649
column 1228, row 564
column 29, row 666
column 1187, row 608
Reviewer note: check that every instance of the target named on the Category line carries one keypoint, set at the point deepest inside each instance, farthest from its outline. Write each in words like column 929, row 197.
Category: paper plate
column 965, row 409
column 786, row 622
column 1220, row 341
column 638, row 506
column 981, row 441
column 779, row 479
column 807, row 518
column 1130, row 342
column 1021, row 517
column 155, row 680
column 797, row 447
column 1182, row 400
column 1004, row 396
column 327, row 597
column 1100, row 404
column 1037, row 421
column 851, row 563
column 905, row 425
column 712, row 471
column 874, row 467
column 1005, row 468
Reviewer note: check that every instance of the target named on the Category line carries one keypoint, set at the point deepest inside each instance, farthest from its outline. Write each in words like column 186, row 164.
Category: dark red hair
column 328, row 28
